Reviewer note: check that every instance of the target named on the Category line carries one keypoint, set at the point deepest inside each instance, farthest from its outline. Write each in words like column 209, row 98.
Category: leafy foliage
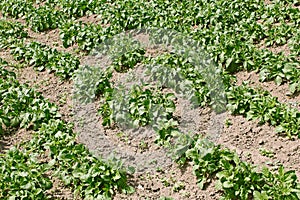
column 43, row 57
column 237, row 179
column 22, row 176
column 88, row 176
column 9, row 32
column 90, row 82
column 44, row 18
column 128, row 60
column 141, row 106
column 260, row 105
column 21, row 106
column 16, row 8
column 230, row 31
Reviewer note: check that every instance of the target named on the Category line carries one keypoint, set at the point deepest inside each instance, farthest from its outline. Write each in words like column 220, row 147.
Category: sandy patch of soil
column 14, row 138
column 178, row 183
column 59, row 191
column 92, row 19
column 52, row 39
column 7, row 57
column 260, row 145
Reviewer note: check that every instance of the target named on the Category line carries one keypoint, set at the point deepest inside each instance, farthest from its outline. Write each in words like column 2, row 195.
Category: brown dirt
column 275, row 49
column 278, row 49
column 50, row 38
column 164, row 183
column 92, row 19
column 267, row 2
column 59, row 191
column 14, row 138
column 22, row 21
column 136, row 148
column 248, row 138
column 7, row 57
column 284, row 48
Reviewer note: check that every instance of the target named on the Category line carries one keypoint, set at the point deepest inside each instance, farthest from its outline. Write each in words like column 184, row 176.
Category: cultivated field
column 219, row 121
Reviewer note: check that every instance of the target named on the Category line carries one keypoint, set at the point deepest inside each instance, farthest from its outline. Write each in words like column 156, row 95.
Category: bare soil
column 14, row 138
column 249, row 140
column 174, row 181
column 92, row 19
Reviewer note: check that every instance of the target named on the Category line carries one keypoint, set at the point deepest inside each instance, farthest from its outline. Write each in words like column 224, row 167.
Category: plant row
column 42, row 57
column 10, row 31
column 136, row 106
column 232, row 39
column 91, row 178
column 38, row 19
column 24, row 174
column 252, row 103
column 21, row 107
column 235, row 178
column 238, row 179
column 50, row 15
column 75, row 9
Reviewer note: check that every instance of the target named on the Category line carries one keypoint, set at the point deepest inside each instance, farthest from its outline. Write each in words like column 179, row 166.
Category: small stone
column 295, row 148
column 140, row 187
column 260, row 142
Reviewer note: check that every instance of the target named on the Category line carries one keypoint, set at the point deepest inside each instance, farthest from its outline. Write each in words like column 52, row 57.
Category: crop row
column 238, row 179
column 75, row 9
column 235, row 178
column 45, row 17
column 43, row 57
column 255, row 17
column 40, row 56
column 64, row 65
column 23, row 174
column 243, row 100
column 10, row 31
column 58, row 138
column 227, row 51
column 231, row 38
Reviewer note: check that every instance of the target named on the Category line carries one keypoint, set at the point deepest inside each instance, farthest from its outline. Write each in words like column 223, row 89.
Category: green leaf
column 260, row 196
column 227, row 184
